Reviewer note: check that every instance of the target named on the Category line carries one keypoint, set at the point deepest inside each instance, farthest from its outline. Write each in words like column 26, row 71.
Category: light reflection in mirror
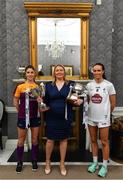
column 67, row 32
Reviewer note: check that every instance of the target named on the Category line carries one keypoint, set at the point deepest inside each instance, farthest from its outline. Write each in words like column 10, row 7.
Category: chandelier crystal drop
column 56, row 48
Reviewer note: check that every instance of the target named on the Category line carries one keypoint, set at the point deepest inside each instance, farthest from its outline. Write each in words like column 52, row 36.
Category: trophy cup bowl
column 21, row 70
column 75, row 91
column 35, row 93
column 78, row 88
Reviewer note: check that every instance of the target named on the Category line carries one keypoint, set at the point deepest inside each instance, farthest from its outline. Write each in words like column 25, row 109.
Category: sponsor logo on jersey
column 103, row 124
column 96, row 98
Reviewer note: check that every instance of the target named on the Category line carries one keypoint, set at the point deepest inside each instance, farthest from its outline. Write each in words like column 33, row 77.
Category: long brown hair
column 103, row 68
column 29, row 67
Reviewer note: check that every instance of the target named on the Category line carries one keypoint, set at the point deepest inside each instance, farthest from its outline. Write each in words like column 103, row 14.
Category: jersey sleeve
column 17, row 92
column 112, row 89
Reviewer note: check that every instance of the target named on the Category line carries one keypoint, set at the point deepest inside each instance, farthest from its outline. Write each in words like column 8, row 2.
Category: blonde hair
column 54, row 71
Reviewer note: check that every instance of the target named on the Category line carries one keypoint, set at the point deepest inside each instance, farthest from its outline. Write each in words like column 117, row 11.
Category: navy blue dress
column 58, row 126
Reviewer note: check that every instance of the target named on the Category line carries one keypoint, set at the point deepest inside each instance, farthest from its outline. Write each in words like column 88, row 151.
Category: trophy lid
column 78, row 87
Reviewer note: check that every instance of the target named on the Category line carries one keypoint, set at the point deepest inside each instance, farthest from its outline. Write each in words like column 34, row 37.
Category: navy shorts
column 34, row 122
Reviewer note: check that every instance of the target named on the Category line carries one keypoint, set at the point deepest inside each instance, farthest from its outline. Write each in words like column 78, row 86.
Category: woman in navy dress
column 59, row 116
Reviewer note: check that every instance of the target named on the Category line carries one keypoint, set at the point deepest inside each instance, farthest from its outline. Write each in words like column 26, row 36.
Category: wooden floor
column 74, row 172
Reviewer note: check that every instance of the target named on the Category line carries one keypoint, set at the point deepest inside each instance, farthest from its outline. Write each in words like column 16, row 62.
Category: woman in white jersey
column 102, row 100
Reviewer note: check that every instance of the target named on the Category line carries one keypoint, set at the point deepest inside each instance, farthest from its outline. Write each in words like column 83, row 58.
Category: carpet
column 76, row 156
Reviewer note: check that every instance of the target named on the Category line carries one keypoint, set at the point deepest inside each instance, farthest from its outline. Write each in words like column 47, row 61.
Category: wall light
column 98, row 2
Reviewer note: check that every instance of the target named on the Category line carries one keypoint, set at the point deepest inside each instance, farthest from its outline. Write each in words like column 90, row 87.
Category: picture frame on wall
column 68, row 69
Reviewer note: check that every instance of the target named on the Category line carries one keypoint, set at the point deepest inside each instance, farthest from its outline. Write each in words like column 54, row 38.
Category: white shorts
column 99, row 124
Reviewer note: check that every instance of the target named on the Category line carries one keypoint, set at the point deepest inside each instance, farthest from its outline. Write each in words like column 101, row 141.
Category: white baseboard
column 4, row 139
column 118, row 111
column 11, row 144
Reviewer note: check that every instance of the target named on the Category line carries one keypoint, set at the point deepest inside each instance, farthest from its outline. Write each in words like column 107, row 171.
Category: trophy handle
column 69, row 94
column 42, row 89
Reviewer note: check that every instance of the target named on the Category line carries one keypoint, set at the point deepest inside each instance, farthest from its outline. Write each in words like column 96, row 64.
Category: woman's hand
column 78, row 102
column 39, row 99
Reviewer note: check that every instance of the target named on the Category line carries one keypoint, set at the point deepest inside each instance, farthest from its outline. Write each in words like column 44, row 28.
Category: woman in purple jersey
column 28, row 117
column 102, row 100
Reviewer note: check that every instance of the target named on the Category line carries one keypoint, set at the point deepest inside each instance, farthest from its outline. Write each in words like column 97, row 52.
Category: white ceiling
column 67, row 30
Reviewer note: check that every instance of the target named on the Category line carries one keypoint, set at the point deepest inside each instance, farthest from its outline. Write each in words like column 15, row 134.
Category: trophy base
column 72, row 98
column 70, row 101
column 44, row 109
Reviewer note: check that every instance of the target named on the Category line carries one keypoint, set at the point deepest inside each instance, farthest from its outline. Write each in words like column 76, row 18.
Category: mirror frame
column 60, row 10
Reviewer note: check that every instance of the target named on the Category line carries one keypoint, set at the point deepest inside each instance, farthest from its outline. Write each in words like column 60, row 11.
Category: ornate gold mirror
column 44, row 14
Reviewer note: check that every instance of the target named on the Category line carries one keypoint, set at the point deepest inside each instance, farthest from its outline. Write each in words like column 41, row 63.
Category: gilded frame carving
column 60, row 10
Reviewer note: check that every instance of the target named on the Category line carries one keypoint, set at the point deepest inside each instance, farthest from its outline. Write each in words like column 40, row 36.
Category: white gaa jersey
column 99, row 104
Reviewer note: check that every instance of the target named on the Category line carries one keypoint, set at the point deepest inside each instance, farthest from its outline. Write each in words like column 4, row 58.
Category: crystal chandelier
column 55, row 48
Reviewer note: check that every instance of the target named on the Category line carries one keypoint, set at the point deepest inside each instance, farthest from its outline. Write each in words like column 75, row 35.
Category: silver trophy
column 76, row 91
column 39, row 92
column 21, row 70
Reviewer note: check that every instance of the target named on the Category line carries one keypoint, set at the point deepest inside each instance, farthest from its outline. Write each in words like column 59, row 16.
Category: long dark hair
column 103, row 68
column 28, row 67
